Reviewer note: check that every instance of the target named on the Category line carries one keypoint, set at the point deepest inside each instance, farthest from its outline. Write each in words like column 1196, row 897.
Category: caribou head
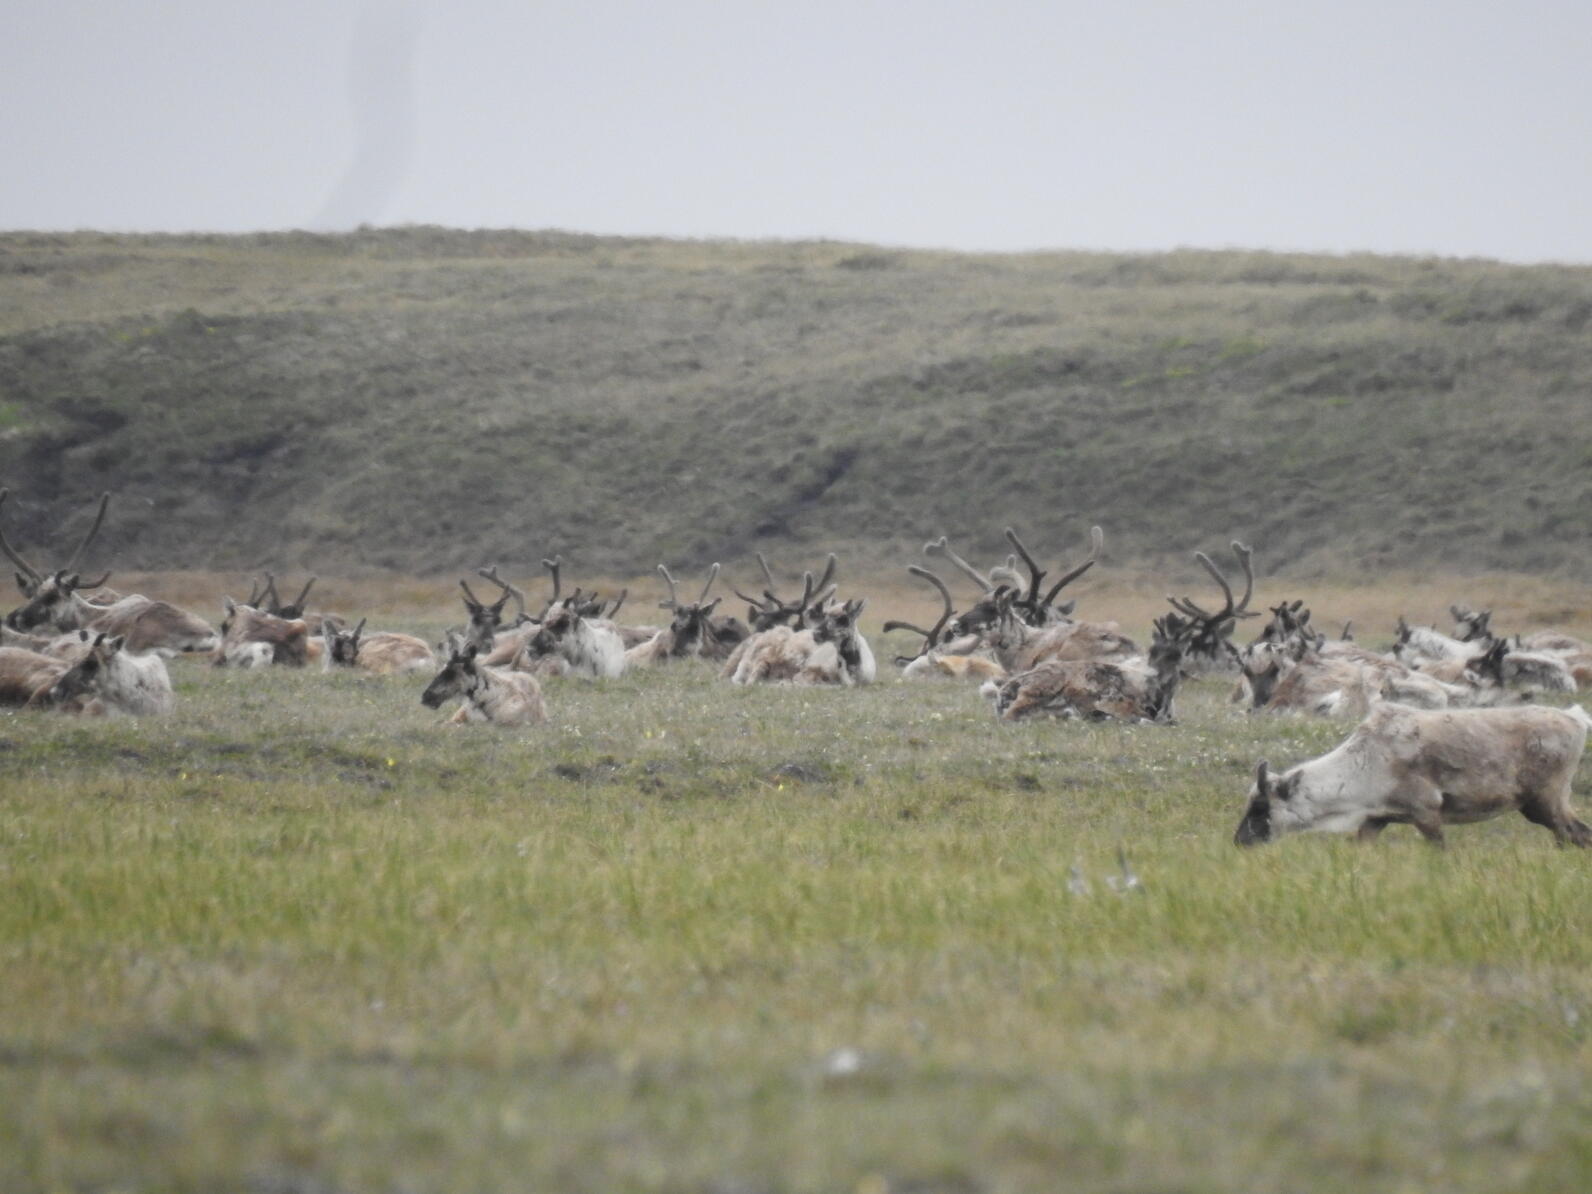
column 48, row 593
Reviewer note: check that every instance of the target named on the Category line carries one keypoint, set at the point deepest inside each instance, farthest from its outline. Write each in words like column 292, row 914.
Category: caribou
column 1428, row 769
column 136, row 684
column 385, row 653
column 30, row 680
column 487, row 694
column 824, row 647
column 691, row 633
column 56, row 600
column 1136, row 688
column 961, row 658
column 1434, row 652
column 253, row 638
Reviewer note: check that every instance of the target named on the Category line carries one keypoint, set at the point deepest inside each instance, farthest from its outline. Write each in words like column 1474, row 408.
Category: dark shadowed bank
column 422, row 399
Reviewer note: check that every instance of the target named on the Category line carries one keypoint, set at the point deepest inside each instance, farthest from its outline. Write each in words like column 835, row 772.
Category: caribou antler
column 1097, row 539
column 931, row 637
column 674, row 597
column 1231, row 610
column 509, row 590
column 99, row 517
column 1035, row 574
column 33, row 574
column 553, row 565
column 295, row 608
column 940, row 547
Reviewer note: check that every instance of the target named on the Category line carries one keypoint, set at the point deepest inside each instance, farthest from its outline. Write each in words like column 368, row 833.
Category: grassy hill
column 423, row 399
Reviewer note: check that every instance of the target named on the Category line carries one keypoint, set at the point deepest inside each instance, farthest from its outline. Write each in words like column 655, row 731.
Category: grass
column 423, row 399
column 301, row 937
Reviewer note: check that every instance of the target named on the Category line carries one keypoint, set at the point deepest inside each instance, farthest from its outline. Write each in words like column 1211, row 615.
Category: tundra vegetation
column 275, row 398
column 301, row 935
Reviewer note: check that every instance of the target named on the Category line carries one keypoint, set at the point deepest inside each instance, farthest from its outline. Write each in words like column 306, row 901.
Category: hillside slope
column 422, row 399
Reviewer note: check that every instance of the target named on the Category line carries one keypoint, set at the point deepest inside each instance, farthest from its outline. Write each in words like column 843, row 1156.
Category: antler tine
column 1243, row 553
column 269, row 595
column 1185, row 606
column 807, row 592
column 469, row 597
column 941, row 547
column 768, row 573
column 821, row 598
column 1097, row 539
column 1034, row 573
column 11, row 553
column 674, row 597
column 713, row 575
column 255, row 594
column 755, row 602
column 1221, row 582
column 945, row 596
column 105, row 500
column 553, row 565
column 829, row 571
column 360, row 629
column 491, row 574
column 298, row 602
column 90, row 586
column 613, row 610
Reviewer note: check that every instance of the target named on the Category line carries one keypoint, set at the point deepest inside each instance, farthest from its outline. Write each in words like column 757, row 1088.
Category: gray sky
column 1402, row 126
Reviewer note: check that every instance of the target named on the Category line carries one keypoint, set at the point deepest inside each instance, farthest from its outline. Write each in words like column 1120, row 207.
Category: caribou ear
column 229, row 605
column 117, row 643
column 1263, row 778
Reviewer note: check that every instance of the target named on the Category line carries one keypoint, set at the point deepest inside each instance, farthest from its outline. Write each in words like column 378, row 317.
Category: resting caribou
column 1004, row 592
column 488, row 694
column 129, row 682
column 55, row 600
column 33, row 681
column 385, row 653
column 826, row 646
column 1136, row 688
column 254, row 638
column 1404, row 766
column 961, row 657
column 691, row 633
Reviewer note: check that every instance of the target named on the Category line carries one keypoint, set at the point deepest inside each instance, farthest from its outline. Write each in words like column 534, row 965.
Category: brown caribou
column 56, row 600
column 488, row 694
column 385, row 653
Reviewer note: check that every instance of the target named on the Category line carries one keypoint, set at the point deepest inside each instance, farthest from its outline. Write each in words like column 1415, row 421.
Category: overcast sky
column 1457, row 128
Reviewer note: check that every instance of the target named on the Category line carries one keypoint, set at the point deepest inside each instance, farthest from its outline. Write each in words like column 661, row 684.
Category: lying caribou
column 1135, row 688
column 56, row 600
column 30, row 680
column 1449, row 659
column 1006, row 594
column 692, row 632
column 961, row 658
column 129, row 682
column 253, row 638
column 825, row 647
column 385, row 653
column 1428, row 769
column 488, row 694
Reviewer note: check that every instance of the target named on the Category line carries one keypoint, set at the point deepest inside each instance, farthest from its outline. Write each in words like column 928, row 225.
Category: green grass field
column 301, row 938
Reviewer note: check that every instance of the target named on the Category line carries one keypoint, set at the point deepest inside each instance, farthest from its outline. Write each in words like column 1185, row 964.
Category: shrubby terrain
column 420, row 399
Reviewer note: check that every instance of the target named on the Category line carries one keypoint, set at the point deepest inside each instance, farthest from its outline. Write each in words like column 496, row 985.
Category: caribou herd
column 1447, row 731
